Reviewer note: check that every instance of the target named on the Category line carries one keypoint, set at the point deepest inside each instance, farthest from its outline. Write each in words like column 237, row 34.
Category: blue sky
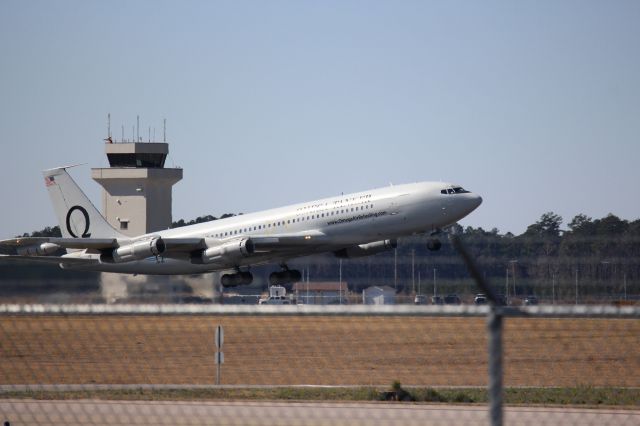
column 535, row 105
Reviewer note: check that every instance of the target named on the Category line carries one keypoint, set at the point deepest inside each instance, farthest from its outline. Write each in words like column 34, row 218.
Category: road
column 92, row 412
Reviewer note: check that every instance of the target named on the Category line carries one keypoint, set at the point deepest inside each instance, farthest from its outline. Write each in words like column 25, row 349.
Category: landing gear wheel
column 239, row 278
column 287, row 276
column 434, row 244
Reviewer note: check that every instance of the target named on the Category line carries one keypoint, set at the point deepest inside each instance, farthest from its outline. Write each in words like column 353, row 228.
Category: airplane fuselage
column 338, row 222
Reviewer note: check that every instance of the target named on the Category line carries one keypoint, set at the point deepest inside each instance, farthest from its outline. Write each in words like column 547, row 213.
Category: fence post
column 494, row 328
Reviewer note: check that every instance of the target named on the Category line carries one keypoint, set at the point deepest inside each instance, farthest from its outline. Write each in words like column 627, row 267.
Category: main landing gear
column 286, row 276
column 236, row 279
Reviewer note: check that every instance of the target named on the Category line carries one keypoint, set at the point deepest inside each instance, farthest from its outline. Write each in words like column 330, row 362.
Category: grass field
column 366, row 351
column 581, row 396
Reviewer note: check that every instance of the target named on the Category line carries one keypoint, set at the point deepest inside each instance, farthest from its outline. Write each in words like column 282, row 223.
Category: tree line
column 601, row 255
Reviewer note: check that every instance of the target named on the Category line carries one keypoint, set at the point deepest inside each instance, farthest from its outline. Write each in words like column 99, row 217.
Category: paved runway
column 91, row 412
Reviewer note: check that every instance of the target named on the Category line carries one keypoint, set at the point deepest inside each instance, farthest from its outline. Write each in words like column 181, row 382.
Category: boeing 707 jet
column 348, row 226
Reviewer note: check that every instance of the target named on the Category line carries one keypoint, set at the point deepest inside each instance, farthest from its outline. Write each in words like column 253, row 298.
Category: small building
column 379, row 295
column 321, row 293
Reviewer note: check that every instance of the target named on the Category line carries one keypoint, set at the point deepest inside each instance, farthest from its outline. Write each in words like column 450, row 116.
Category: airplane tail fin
column 77, row 216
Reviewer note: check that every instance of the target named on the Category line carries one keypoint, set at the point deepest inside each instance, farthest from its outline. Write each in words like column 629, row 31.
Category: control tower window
column 137, row 160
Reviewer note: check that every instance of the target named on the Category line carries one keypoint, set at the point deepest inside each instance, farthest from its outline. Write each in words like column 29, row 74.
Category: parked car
column 437, row 300
column 420, row 299
column 530, row 300
column 480, row 299
column 452, row 299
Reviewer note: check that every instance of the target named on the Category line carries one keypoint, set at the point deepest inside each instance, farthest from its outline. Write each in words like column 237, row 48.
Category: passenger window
column 443, row 191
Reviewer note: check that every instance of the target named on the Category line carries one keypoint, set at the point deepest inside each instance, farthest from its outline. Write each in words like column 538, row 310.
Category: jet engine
column 228, row 252
column 366, row 249
column 43, row 249
column 135, row 251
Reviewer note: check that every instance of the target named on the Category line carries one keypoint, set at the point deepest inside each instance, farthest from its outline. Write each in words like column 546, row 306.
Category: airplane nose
column 476, row 200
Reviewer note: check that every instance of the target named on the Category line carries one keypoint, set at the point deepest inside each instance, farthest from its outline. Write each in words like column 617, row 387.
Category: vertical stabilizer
column 77, row 216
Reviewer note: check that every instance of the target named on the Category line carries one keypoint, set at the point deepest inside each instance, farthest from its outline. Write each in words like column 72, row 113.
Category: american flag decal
column 49, row 180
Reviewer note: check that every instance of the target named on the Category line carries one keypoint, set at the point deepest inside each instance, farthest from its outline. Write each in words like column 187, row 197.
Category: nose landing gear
column 434, row 244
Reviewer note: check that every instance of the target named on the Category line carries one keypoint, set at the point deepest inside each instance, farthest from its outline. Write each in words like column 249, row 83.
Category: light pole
column 395, row 269
column 513, row 269
column 624, row 282
column 435, row 292
column 553, row 288
column 506, row 283
column 413, row 269
column 340, row 283
column 576, row 286
column 604, row 272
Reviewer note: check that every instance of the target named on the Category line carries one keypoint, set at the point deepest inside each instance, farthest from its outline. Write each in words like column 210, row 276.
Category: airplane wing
column 260, row 244
column 73, row 243
column 52, row 260
column 46, row 249
column 265, row 244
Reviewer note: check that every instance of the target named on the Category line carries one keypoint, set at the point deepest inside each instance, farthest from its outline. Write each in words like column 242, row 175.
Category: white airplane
column 352, row 225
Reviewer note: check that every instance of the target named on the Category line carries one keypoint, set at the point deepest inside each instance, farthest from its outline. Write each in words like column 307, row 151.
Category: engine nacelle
column 135, row 251
column 227, row 252
column 43, row 249
column 366, row 249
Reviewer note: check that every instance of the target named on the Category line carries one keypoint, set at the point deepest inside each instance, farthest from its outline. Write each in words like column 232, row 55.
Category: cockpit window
column 456, row 190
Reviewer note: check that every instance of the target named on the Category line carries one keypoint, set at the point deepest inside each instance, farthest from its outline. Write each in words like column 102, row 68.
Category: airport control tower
column 137, row 187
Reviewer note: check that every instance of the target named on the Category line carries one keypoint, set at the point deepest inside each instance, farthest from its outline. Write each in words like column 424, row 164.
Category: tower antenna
column 109, row 125
column 137, row 128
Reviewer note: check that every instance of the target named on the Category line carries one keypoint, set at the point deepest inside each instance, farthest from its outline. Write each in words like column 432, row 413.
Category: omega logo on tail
column 87, row 222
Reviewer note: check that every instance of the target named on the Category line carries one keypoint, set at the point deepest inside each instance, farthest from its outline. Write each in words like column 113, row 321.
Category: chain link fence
column 391, row 364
